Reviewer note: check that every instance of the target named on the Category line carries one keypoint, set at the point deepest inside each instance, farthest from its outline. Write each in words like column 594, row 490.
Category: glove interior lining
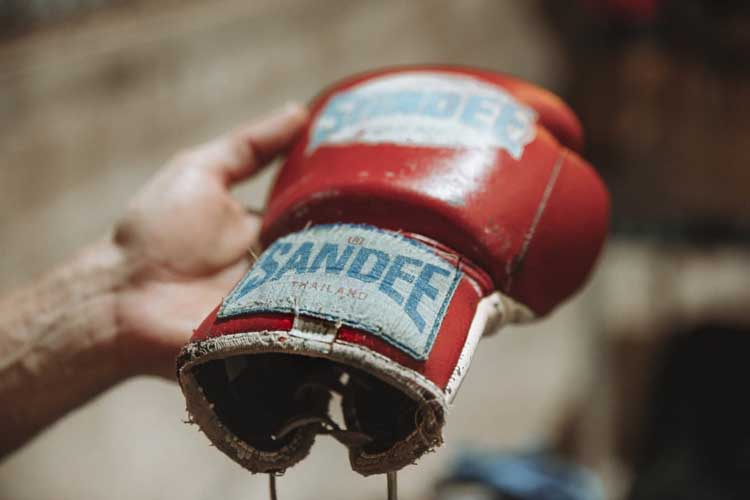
column 256, row 396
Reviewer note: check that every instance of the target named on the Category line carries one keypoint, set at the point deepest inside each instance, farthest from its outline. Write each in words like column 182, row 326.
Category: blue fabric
column 528, row 476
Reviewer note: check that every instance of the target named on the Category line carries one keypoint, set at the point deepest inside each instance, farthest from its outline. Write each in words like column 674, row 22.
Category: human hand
column 184, row 238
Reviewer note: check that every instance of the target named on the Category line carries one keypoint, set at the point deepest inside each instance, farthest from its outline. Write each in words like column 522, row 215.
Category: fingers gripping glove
column 421, row 208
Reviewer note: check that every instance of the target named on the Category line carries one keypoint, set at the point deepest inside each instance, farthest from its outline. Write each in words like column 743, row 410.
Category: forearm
column 58, row 343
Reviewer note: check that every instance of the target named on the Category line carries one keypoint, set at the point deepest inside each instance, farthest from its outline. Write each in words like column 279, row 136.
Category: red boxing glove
column 421, row 208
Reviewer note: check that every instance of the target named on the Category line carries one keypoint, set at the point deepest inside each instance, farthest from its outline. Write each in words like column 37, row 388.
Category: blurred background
column 641, row 381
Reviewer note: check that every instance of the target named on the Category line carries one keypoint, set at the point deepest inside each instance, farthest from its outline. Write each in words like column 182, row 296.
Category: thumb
column 241, row 153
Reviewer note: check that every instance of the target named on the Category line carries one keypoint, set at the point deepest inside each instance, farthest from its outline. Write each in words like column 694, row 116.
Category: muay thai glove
column 422, row 208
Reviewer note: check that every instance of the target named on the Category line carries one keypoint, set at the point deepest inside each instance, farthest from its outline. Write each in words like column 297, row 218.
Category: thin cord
column 272, row 485
column 392, row 486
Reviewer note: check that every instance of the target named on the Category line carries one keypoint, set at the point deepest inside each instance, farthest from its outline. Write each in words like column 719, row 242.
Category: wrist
column 59, row 342
column 141, row 343
column 101, row 273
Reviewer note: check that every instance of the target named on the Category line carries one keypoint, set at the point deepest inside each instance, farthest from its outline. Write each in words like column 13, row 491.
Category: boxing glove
column 421, row 208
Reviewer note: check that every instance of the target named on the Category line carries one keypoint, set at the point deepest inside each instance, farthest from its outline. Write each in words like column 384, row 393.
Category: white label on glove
column 377, row 281
column 425, row 109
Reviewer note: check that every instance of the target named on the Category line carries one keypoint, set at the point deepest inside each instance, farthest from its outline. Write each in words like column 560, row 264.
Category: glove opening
column 252, row 396
column 265, row 399
column 379, row 410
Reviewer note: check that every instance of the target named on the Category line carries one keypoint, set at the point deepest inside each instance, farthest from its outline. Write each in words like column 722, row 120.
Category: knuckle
column 242, row 148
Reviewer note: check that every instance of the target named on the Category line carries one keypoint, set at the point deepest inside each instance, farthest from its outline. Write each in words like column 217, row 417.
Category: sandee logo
column 368, row 265
column 374, row 280
column 429, row 109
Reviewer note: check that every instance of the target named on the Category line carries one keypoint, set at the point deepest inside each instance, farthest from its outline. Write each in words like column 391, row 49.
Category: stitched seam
column 515, row 264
